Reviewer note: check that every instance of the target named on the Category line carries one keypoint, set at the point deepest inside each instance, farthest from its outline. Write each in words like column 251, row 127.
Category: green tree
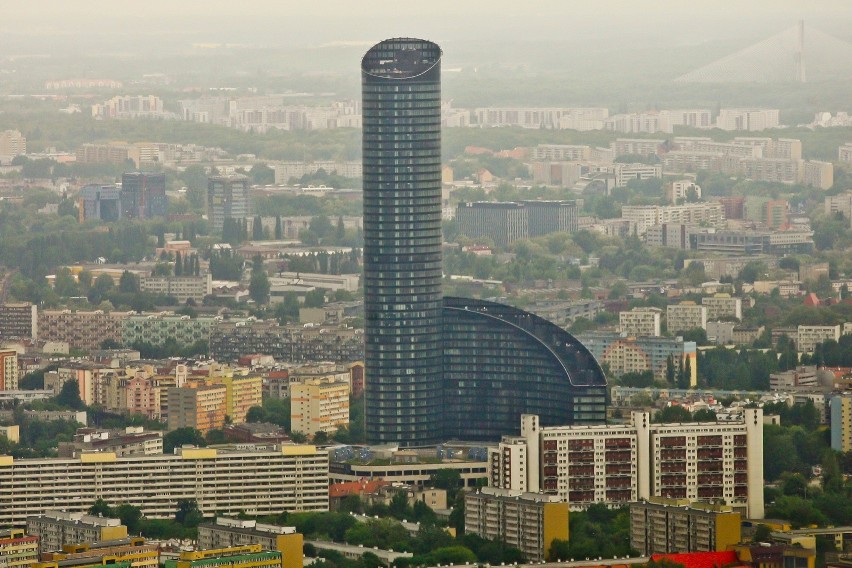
column 188, row 514
column 128, row 283
column 182, row 436
column 101, row 508
column 69, row 396
column 259, row 284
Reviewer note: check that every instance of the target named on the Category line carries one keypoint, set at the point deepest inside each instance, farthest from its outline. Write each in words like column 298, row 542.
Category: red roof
column 355, row 487
column 701, row 559
column 812, row 300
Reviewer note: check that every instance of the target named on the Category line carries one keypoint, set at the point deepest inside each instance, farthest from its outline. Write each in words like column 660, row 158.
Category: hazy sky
column 297, row 23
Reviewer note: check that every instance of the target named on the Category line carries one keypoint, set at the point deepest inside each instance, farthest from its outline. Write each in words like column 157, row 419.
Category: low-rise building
column 133, row 440
column 182, row 288
column 58, row 528
column 247, row 556
column 227, row 533
column 134, row 551
column 527, row 521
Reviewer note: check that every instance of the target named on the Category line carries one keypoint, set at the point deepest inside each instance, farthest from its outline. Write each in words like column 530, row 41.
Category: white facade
column 685, row 316
column 640, row 322
column 722, row 305
column 809, row 336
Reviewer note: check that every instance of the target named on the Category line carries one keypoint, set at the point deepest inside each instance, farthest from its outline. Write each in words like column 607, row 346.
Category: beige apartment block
column 319, row 406
column 723, row 306
column 809, row 336
column 685, row 316
column 640, row 322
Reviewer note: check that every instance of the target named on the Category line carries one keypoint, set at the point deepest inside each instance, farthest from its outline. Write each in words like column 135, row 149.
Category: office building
column 809, row 336
column 661, row 526
column 247, row 556
column 685, row 316
column 8, row 369
column 428, row 370
column 545, row 217
column 503, row 223
column 56, row 528
column 227, row 533
column 528, row 521
column 100, row 203
column 17, row 549
column 640, row 322
column 227, row 198
column 840, row 409
column 226, row 481
column 197, row 406
column 319, row 406
column 143, row 195
column 401, row 89
column 618, row 464
column 19, row 321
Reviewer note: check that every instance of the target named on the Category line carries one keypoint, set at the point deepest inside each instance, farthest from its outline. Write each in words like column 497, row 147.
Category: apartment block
column 561, row 152
column 227, row 533
column 840, row 410
column 617, row 464
column 182, row 288
column 319, row 406
column 18, row 320
column 626, row 354
column 664, row 526
column 293, row 343
column 241, row 393
column 844, row 153
column 685, row 316
column 527, row 521
column 8, row 369
column 156, row 329
column 12, row 143
column 56, row 528
column 720, row 332
column 636, row 146
column 710, row 214
column 722, row 306
column 248, row 556
column 226, row 481
column 748, row 119
column 818, row 174
column 809, row 336
column 81, row 330
column 17, row 549
column 640, row 322
column 197, row 406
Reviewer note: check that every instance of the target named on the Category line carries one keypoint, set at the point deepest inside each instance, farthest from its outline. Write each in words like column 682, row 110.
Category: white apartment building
column 752, row 119
column 635, row 146
column 685, row 316
column 181, row 287
column 640, row 322
column 257, row 482
column 319, row 406
column 844, row 153
column 722, row 305
column 646, row 216
column 561, row 152
column 680, row 190
column 625, row 173
column 809, row 336
column 617, row 464
column 817, row 174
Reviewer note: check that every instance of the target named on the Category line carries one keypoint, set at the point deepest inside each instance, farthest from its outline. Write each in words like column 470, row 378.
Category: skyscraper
column 401, row 92
column 452, row 367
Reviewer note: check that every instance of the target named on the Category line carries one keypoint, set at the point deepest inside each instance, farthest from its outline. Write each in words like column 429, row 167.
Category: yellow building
column 197, row 406
column 528, row 521
column 227, row 532
column 241, row 393
column 132, row 550
column 248, row 556
column 662, row 526
column 319, row 406
column 8, row 369
column 17, row 550
column 12, row 433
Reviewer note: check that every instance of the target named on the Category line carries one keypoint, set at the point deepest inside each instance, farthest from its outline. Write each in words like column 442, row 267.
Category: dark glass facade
column 401, row 112
column 501, row 362
column 143, row 195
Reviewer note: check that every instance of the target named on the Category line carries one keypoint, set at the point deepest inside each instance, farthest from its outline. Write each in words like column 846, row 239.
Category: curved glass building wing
column 501, row 362
column 401, row 96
